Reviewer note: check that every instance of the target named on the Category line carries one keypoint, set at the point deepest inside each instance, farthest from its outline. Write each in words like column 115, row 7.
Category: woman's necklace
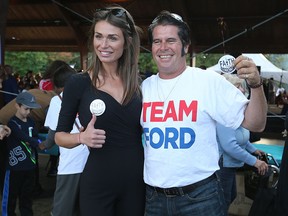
column 163, row 96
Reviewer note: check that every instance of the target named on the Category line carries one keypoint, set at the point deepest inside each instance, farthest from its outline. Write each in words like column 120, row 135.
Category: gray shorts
column 66, row 196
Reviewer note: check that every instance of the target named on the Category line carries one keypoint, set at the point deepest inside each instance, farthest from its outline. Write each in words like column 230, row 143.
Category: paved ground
column 43, row 203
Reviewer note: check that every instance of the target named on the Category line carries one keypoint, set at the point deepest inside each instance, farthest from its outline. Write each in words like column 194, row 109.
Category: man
column 9, row 84
column 181, row 106
column 72, row 161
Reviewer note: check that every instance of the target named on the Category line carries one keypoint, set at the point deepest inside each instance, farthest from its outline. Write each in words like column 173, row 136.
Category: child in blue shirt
column 21, row 144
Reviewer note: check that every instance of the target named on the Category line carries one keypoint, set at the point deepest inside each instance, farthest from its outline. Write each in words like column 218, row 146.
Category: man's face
column 166, row 51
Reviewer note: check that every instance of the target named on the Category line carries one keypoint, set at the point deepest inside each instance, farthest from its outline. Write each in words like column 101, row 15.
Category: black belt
column 180, row 191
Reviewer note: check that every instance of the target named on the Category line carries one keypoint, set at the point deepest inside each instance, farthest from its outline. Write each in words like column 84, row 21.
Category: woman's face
column 108, row 42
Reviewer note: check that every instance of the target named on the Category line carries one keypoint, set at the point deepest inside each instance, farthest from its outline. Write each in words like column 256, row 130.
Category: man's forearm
column 256, row 111
column 50, row 142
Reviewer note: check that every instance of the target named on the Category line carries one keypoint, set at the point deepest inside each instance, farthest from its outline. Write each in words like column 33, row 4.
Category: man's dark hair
column 50, row 70
column 62, row 74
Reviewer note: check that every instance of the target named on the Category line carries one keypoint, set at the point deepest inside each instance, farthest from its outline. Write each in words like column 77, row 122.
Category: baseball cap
column 28, row 100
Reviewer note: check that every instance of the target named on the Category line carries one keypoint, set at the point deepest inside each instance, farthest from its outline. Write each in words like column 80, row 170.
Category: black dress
column 112, row 180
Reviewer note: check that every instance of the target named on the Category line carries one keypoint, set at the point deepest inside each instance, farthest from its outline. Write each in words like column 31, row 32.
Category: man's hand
column 42, row 146
column 246, row 69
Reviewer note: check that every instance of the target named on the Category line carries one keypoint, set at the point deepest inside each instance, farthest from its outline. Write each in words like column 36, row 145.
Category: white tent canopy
column 268, row 70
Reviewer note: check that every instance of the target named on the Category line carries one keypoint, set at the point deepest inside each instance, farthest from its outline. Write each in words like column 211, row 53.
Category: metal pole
column 246, row 30
column 89, row 20
column 6, row 92
column 80, row 15
column 1, row 50
column 205, row 51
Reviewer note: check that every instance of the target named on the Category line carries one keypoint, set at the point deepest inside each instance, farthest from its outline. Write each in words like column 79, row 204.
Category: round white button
column 97, row 107
column 226, row 64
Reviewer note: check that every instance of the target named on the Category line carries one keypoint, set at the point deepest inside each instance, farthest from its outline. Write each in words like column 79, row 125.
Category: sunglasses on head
column 173, row 15
column 118, row 12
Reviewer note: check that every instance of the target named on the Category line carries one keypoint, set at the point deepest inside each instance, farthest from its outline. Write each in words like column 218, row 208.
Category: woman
column 112, row 180
column 235, row 150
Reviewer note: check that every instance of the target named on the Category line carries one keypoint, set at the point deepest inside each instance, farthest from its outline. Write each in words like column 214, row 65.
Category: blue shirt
column 235, row 147
column 21, row 147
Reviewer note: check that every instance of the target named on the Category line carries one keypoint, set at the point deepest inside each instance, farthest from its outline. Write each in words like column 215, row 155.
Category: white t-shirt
column 179, row 121
column 71, row 161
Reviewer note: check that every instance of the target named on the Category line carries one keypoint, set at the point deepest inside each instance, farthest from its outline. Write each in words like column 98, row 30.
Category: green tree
column 207, row 59
column 24, row 61
column 279, row 60
column 146, row 63
column 38, row 61
column 72, row 58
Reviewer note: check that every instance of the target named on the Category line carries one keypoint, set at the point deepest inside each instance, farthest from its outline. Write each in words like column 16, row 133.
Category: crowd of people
column 13, row 83
column 146, row 147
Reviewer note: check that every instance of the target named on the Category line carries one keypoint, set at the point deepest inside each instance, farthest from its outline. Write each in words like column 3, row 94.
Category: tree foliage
column 38, row 61
column 24, row 61
column 146, row 63
column 279, row 60
column 207, row 60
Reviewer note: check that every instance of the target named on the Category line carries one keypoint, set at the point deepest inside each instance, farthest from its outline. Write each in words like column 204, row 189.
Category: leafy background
column 38, row 61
